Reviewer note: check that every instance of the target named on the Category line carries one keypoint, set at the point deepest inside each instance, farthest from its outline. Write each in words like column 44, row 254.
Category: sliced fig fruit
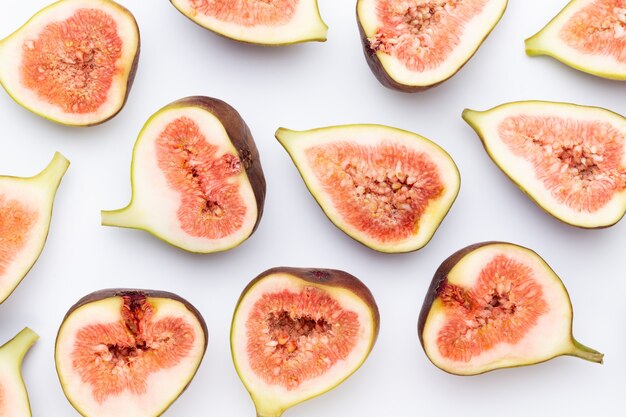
column 411, row 45
column 265, row 22
column 13, row 396
column 497, row 305
column 386, row 188
column 25, row 213
column 298, row 332
column 129, row 353
column 569, row 159
column 588, row 35
column 196, row 177
column 73, row 62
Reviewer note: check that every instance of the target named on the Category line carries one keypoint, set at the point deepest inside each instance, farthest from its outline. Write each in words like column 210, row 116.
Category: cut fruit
column 569, row 159
column 297, row 333
column 13, row 396
column 265, row 22
column 497, row 305
column 411, row 45
column 386, row 188
column 25, row 213
column 588, row 35
column 196, row 177
column 129, row 353
column 73, row 62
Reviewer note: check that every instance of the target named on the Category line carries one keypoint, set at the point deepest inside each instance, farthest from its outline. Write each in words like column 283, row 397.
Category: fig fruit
column 25, row 213
column 298, row 332
column 265, row 22
column 128, row 353
column 411, row 45
column 386, row 188
column 196, row 177
column 569, row 159
column 497, row 305
column 587, row 35
column 73, row 62
column 13, row 396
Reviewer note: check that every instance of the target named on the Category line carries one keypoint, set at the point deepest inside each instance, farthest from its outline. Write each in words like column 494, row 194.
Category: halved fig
column 13, row 395
column 196, row 177
column 386, row 188
column 497, row 305
column 265, row 22
column 588, row 35
column 411, row 45
column 299, row 332
column 25, row 213
column 73, row 62
column 128, row 353
column 569, row 159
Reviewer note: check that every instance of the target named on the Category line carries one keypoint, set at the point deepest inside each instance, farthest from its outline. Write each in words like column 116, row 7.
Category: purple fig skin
column 241, row 138
column 327, row 278
column 439, row 279
column 379, row 72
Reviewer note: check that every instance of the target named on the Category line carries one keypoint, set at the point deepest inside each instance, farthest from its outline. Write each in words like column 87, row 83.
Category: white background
column 300, row 87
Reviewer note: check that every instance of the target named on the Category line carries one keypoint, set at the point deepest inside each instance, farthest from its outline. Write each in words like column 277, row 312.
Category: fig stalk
column 126, row 217
column 581, row 351
column 17, row 347
column 55, row 169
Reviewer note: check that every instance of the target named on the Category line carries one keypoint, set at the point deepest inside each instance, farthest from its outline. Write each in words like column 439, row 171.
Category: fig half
column 587, row 35
column 298, row 332
column 569, row 159
column 386, row 188
column 411, row 45
column 266, row 22
column 128, row 353
column 196, row 178
column 25, row 213
column 13, row 395
column 497, row 305
column 73, row 62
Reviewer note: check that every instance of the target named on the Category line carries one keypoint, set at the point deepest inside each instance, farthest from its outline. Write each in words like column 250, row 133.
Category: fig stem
column 17, row 347
column 586, row 353
column 124, row 217
column 469, row 115
column 55, row 169
column 532, row 46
